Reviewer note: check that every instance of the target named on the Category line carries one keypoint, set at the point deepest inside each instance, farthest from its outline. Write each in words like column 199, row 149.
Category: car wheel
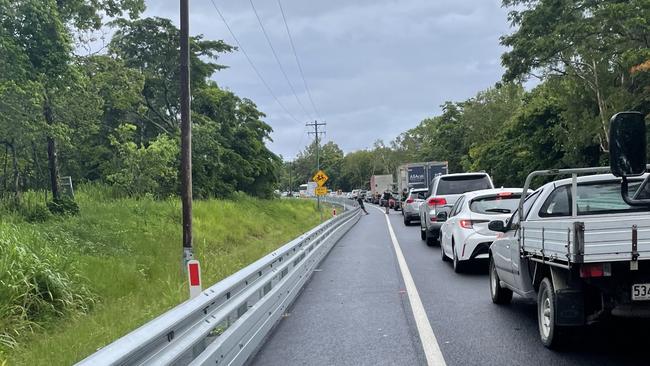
column 499, row 294
column 431, row 239
column 550, row 333
column 407, row 222
column 423, row 231
column 459, row 267
column 442, row 252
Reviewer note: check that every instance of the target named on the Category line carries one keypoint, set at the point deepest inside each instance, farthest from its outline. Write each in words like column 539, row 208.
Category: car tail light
column 437, row 201
column 595, row 270
column 410, row 200
column 466, row 224
column 433, row 219
column 469, row 224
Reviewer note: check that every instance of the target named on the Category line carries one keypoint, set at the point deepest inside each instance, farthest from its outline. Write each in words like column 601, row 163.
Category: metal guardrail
column 228, row 322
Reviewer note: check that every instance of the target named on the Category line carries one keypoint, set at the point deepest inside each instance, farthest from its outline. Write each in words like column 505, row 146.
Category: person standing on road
column 363, row 207
column 386, row 198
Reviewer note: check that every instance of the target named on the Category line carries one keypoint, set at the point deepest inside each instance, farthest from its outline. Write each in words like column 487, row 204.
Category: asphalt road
column 355, row 311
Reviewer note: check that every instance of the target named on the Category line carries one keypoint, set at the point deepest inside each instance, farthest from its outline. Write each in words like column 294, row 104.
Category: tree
column 151, row 45
column 595, row 41
column 42, row 32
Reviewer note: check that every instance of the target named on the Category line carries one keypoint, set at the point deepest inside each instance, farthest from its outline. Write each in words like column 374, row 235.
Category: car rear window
column 462, row 184
column 593, row 199
column 422, row 195
column 495, row 205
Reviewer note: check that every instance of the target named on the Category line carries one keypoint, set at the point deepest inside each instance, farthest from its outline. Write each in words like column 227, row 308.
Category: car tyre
column 431, row 240
column 407, row 222
column 551, row 334
column 443, row 256
column 500, row 295
column 459, row 267
column 423, row 232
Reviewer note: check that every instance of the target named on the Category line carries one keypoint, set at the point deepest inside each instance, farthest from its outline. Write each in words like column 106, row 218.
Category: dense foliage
column 112, row 116
column 589, row 58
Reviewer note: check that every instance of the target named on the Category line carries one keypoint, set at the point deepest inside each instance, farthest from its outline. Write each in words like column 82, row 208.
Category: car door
column 450, row 225
column 505, row 250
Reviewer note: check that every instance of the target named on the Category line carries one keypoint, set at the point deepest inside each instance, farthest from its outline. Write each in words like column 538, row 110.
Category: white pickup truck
column 581, row 246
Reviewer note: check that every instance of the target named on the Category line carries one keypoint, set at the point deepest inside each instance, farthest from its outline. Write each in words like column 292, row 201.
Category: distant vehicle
column 303, row 190
column 465, row 235
column 411, row 207
column 443, row 193
column 419, row 175
column 381, row 183
column 581, row 246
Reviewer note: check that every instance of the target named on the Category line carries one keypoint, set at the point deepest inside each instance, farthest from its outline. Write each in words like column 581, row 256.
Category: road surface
column 356, row 310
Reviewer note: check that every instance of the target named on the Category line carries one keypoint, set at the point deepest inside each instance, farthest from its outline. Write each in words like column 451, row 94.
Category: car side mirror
column 441, row 216
column 627, row 144
column 498, row 226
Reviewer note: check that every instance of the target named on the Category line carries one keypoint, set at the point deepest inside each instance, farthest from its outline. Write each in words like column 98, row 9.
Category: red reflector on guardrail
column 194, row 274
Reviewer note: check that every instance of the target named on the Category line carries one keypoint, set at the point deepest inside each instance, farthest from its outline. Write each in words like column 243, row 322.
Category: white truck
column 381, row 183
column 581, row 246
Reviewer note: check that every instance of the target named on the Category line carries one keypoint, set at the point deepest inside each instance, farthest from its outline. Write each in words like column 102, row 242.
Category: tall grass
column 117, row 265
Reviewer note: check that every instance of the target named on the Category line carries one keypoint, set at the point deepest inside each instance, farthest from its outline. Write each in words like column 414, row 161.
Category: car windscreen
column 421, row 195
column 462, row 184
column 494, row 205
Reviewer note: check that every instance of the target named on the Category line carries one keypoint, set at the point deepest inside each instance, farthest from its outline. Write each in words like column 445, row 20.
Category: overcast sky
column 375, row 68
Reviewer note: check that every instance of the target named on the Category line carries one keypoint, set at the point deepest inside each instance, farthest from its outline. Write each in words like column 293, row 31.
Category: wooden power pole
column 186, row 134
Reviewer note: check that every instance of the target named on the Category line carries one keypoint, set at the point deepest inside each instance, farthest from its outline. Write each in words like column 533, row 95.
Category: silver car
column 443, row 193
column 411, row 207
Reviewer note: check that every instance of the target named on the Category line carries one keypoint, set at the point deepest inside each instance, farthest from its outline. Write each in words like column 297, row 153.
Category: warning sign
column 321, row 191
column 320, row 178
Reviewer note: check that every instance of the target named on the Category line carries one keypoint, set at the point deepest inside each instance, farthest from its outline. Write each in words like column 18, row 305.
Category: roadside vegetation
column 71, row 284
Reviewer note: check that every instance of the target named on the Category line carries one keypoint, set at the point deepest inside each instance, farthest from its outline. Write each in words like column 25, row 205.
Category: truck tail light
column 436, row 201
column 595, row 270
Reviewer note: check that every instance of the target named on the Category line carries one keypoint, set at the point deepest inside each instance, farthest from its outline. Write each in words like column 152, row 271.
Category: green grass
column 117, row 265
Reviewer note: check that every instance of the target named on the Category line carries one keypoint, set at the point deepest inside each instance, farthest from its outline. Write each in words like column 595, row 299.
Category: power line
column 277, row 59
column 259, row 75
column 295, row 54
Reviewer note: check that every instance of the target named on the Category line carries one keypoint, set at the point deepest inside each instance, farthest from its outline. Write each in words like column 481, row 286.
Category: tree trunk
column 602, row 111
column 16, row 177
column 51, row 152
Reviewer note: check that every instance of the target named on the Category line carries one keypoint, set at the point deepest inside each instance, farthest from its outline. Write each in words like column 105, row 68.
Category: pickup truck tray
column 587, row 239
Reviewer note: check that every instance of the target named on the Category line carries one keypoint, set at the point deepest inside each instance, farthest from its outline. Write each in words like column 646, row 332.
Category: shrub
column 37, row 213
column 63, row 206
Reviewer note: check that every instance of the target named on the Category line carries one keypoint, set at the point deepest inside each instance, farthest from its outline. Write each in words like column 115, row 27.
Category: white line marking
column 427, row 338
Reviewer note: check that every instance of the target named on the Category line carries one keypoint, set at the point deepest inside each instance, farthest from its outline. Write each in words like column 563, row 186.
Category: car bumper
column 476, row 246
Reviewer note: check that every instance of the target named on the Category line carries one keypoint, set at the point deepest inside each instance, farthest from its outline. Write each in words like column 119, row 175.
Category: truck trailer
column 419, row 175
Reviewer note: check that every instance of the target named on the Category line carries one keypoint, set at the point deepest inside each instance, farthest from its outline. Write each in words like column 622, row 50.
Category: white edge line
column 427, row 338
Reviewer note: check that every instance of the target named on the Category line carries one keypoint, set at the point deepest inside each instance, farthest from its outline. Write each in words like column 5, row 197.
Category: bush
column 63, row 206
column 37, row 213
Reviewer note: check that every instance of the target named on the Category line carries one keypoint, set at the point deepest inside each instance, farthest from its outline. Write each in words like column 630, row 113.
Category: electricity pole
column 186, row 134
column 316, row 133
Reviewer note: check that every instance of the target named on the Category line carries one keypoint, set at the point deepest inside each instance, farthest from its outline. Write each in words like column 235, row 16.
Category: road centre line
column 427, row 338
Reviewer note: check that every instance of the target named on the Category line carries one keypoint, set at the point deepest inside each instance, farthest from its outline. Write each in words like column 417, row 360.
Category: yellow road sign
column 320, row 178
column 321, row 191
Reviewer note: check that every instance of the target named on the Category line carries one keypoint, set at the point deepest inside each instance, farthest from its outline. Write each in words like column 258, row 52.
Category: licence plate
column 641, row 291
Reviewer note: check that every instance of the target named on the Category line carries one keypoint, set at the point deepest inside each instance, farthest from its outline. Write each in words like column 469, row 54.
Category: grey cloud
column 374, row 67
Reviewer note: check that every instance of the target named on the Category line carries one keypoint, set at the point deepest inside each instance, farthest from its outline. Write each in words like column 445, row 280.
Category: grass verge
column 117, row 265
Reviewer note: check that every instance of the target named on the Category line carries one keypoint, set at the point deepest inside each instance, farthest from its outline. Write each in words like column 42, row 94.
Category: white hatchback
column 465, row 235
